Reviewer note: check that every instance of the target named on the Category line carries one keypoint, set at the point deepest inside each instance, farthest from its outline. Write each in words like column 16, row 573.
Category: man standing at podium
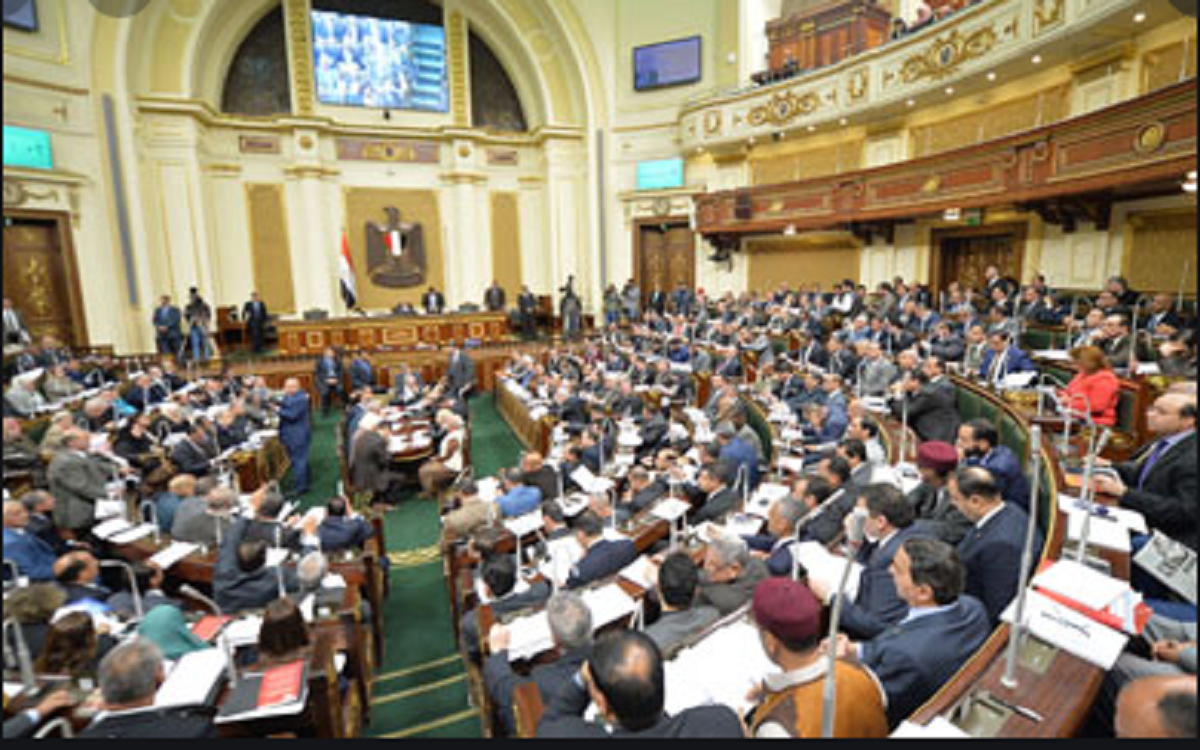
column 434, row 302
column 494, row 300
column 254, row 315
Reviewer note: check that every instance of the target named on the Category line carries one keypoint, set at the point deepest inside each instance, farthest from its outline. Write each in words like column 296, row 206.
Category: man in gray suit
column 198, row 518
column 461, row 372
column 24, row 396
column 877, row 372
column 678, row 578
column 77, row 481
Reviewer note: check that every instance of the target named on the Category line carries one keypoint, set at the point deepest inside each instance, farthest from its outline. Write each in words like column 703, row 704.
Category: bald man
column 1157, row 708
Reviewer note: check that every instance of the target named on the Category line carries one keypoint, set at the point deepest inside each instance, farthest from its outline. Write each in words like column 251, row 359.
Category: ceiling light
column 790, row 230
column 1037, row 60
column 911, row 102
column 1189, row 187
column 949, row 91
column 952, row 214
column 991, row 76
column 1139, row 16
column 842, row 121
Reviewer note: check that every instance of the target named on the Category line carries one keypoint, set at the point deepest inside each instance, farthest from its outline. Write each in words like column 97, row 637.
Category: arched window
column 494, row 100
column 257, row 81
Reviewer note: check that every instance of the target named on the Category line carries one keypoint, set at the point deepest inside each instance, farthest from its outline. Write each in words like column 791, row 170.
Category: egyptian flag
column 346, row 269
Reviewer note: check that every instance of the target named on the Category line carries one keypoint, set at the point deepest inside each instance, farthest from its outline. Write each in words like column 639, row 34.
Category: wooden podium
column 827, row 34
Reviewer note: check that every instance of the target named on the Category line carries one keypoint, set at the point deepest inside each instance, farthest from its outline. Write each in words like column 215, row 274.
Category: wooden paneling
column 270, row 249
column 665, row 256
column 797, row 261
column 41, row 277
column 306, row 338
column 416, row 206
column 989, row 123
column 775, row 165
column 1162, row 253
column 506, row 243
column 964, row 254
column 827, row 34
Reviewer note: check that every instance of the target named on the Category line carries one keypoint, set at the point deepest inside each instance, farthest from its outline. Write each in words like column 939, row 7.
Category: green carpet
column 420, row 688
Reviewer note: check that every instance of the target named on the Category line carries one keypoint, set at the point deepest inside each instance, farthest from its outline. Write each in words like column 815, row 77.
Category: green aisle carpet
column 420, row 687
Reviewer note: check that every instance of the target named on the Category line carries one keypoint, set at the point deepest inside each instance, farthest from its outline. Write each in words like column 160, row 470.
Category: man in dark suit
column 570, row 627
column 979, row 445
column 129, row 679
column 362, row 375
column 434, row 302
column 255, row 316
column 168, row 327
column 1118, row 341
column 370, row 459
column 33, row 556
column 241, row 578
column 328, row 377
column 943, row 628
column 932, row 403
column 1003, row 359
column 946, row 344
column 195, row 453
column 888, row 524
column 658, row 300
column 527, row 305
column 339, row 531
column 1160, row 481
column 991, row 551
column 494, row 299
column 602, row 557
column 461, row 372
column 295, row 432
column 624, row 677
column 719, row 499
column 536, row 473
column 499, row 578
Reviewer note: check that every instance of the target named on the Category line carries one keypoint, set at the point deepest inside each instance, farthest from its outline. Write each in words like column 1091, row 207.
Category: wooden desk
column 304, row 338
column 535, row 434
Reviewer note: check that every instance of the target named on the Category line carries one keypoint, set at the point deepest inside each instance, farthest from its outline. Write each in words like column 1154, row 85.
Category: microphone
column 23, row 658
column 133, row 585
column 856, row 532
column 1089, row 492
column 1009, row 680
column 829, row 699
column 190, row 592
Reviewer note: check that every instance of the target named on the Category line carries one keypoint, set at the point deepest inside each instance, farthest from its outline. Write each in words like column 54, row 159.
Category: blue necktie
column 1155, row 455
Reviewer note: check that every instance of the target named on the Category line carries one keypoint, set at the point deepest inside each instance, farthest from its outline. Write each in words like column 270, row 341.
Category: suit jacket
column 877, row 375
column 505, row 605
column 937, row 516
column 950, row 349
column 1168, row 498
column 551, row 679
column 563, row 719
column 933, row 411
column 729, row 596
column 338, row 533
column 193, row 524
column 825, row 525
column 603, row 559
column 673, row 628
column 494, row 299
column 369, row 459
column 26, row 402
column 254, row 314
column 1006, row 468
column 171, row 318
column 1119, row 351
column 545, row 479
column 295, row 428
column 461, row 372
column 325, row 370
column 1018, row 361
column 361, row 375
column 77, row 482
column 877, row 605
column 236, row 590
column 190, row 458
column 716, row 507
column 915, row 658
column 739, row 453
column 32, row 555
column 189, row 722
column 434, row 302
column 992, row 557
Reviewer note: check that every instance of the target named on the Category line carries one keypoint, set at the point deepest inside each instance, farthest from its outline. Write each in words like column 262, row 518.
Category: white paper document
column 129, row 536
column 191, row 680
column 526, row 524
column 670, row 509
column 1132, row 520
column 637, row 572
column 173, row 554
column 110, row 528
column 1069, row 630
column 529, row 636
column 608, row 604
column 824, row 566
column 589, row 482
column 1082, row 584
column 243, row 632
column 1102, row 532
column 938, row 729
column 720, row 669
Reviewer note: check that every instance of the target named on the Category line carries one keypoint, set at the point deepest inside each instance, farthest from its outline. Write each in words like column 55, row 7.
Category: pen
column 1028, row 713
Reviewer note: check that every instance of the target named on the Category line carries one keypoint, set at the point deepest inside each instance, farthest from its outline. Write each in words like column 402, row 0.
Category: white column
column 229, row 229
column 570, row 244
column 535, row 248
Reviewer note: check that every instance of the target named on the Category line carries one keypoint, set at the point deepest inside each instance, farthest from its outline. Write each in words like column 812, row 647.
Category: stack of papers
column 608, row 604
column 670, row 509
column 637, row 572
column 529, row 636
column 720, row 669
column 173, row 554
column 243, row 632
column 192, row 680
column 938, row 729
column 764, row 497
column 526, row 524
column 822, row 565
column 107, row 530
column 589, row 482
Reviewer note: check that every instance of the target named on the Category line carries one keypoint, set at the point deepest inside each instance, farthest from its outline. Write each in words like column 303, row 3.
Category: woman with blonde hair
column 1096, row 389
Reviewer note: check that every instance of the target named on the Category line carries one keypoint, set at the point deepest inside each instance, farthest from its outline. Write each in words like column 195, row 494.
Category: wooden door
column 666, row 258
column 964, row 255
column 40, row 276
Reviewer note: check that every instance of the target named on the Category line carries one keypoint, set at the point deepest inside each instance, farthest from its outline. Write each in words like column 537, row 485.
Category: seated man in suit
column 775, row 545
column 370, row 461
column 205, row 520
column 654, row 429
column 979, row 445
column 676, row 582
column 1118, row 341
column 824, row 522
column 931, row 500
column 738, row 454
column 641, row 493
column 888, row 524
column 788, row 617
column 499, row 591
column 602, row 557
column 341, row 531
column 536, row 473
column 241, row 578
column 991, row 551
column 129, row 679
column 932, row 403
column 624, row 677
column 33, row 556
column 1002, row 359
column 571, row 629
column 519, row 499
column 1160, row 482
column 195, row 453
column 719, row 500
column 78, row 574
column 730, row 574
column 943, row 628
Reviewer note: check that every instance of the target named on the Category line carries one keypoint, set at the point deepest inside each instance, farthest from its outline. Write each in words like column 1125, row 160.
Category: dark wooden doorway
column 963, row 255
column 41, row 276
column 664, row 256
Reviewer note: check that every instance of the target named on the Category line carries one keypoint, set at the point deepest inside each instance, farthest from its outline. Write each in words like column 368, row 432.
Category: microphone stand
column 23, row 658
column 904, row 419
column 1089, row 492
column 133, row 585
column 1009, row 680
column 189, row 591
column 829, row 699
column 153, row 518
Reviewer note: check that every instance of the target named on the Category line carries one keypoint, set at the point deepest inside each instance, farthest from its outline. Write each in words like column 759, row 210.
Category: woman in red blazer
column 1096, row 386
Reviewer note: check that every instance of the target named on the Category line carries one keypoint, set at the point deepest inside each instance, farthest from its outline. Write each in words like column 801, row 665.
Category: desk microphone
column 189, row 591
column 829, row 699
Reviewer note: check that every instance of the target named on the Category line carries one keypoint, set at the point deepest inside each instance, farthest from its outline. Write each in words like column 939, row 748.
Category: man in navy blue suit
column 33, row 556
column 1003, row 359
column 943, row 628
column 295, row 432
column 737, row 452
column 328, row 378
column 339, row 531
column 361, row 374
column 603, row 557
column 168, row 327
column 888, row 524
column 991, row 551
column 979, row 445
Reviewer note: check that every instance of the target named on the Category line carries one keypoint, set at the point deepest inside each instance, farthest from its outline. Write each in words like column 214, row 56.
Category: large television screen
column 25, row 147
column 373, row 62
column 668, row 64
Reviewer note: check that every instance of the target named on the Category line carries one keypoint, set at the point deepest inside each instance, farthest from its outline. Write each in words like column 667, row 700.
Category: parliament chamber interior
column 609, row 368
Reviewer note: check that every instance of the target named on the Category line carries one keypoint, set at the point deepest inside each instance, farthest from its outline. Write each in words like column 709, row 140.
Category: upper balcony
column 954, row 56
